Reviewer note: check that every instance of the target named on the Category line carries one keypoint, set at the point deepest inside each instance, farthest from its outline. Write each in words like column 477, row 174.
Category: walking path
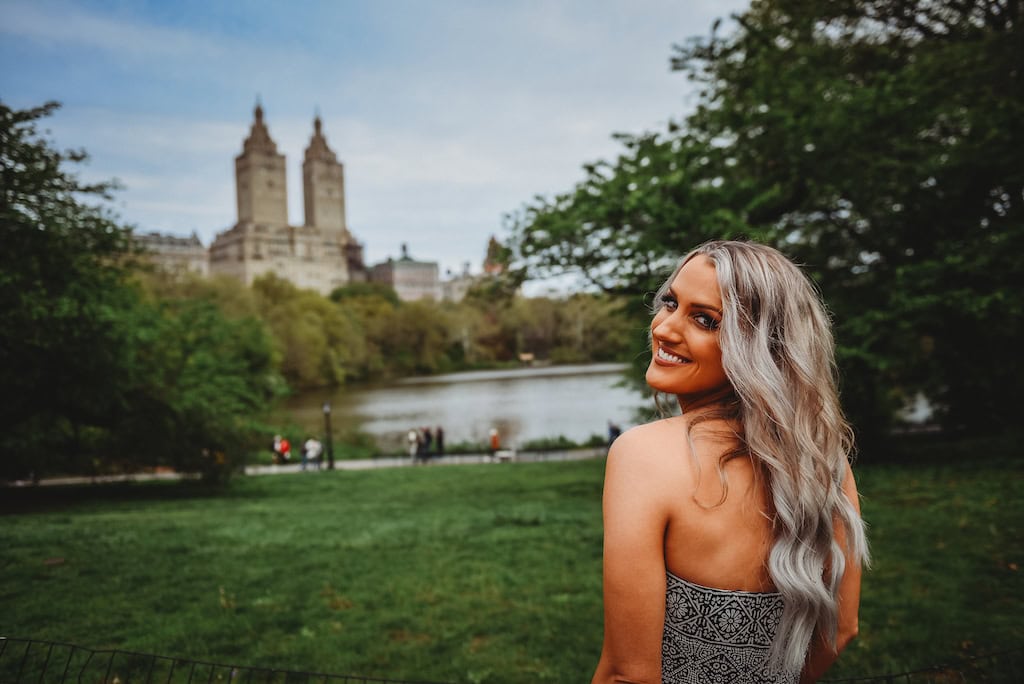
column 357, row 464
column 455, row 459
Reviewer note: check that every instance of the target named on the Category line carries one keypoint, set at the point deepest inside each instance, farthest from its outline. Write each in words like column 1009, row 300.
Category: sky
column 447, row 114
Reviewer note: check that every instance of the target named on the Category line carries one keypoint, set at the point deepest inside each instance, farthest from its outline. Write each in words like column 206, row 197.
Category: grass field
column 477, row 573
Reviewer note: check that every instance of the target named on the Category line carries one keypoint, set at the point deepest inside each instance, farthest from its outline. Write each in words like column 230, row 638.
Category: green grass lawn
column 477, row 573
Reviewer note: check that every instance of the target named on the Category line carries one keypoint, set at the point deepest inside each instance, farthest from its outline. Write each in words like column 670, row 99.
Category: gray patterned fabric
column 714, row 635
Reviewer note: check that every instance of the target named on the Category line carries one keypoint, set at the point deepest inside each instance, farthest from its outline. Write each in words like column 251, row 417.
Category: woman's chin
column 656, row 381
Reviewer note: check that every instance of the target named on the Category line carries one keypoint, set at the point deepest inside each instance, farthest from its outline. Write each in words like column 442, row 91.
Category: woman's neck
column 720, row 401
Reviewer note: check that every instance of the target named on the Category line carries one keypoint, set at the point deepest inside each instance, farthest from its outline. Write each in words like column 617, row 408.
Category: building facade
column 172, row 254
column 321, row 254
column 410, row 279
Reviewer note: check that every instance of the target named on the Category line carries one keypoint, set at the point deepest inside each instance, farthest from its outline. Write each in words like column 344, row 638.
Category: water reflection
column 524, row 404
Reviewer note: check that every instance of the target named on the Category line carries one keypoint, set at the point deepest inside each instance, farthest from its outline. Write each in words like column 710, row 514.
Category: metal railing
column 43, row 662
column 1005, row 667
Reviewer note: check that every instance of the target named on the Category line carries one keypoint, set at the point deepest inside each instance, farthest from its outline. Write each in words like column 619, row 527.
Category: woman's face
column 686, row 359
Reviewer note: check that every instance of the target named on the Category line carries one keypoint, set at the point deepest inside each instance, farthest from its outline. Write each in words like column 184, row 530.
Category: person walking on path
column 426, row 441
column 439, row 440
column 733, row 542
column 311, row 453
column 413, row 439
column 495, row 442
column 613, row 432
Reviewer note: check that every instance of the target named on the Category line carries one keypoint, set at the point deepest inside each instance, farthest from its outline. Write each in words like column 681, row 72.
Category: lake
column 575, row 401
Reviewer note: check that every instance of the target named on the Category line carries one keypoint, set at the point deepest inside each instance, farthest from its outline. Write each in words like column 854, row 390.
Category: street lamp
column 330, row 440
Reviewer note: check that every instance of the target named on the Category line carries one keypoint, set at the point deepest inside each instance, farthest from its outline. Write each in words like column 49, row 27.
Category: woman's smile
column 665, row 356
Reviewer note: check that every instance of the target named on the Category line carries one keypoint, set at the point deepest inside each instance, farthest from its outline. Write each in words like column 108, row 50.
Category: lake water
column 523, row 404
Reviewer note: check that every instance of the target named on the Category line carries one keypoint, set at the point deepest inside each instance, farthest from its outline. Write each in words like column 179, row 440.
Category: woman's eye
column 706, row 321
column 669, row 302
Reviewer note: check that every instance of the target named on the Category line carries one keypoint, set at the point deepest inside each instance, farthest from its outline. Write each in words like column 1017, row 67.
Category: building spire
column 259, row 139
column 318, row 148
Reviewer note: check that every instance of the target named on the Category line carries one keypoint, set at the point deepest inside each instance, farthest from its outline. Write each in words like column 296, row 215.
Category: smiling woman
column 686, row 359
column 753, row 575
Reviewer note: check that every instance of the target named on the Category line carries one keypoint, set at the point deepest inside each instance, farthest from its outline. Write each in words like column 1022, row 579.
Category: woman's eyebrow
column 697, row 305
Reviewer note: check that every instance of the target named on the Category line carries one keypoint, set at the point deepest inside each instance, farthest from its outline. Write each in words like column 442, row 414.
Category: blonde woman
column 733, row 542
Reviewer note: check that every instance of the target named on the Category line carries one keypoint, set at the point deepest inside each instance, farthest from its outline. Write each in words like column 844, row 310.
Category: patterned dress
column 715, row 635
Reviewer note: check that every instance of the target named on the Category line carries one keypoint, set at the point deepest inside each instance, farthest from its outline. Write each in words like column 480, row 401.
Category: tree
column 95, row 374
column 318, row 344
column 63, row 266
column 197, row 383
column 888, row 133
column 875, row 142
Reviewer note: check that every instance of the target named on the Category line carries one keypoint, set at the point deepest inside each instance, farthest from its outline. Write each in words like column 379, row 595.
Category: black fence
column 1006, row 667
column 43, row 662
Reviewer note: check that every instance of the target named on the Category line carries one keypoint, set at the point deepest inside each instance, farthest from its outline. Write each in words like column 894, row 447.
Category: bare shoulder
column 653, row 450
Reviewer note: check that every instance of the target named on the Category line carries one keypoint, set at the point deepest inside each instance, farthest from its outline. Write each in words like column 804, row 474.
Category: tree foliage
column 94, row 373
column 878, row 143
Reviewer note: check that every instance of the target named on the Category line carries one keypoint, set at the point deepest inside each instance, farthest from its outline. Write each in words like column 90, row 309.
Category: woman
column 733, row 542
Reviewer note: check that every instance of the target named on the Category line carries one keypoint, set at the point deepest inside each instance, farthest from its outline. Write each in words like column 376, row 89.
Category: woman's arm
column 634, row 564
column 822, row 655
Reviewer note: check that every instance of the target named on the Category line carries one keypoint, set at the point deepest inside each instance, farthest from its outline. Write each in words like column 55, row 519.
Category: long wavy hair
column 778, row 354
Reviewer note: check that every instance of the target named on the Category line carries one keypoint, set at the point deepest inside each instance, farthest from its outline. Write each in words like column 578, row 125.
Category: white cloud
column 64, row 25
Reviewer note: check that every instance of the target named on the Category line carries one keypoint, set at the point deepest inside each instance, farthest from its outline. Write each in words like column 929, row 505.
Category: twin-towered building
column 322, row 254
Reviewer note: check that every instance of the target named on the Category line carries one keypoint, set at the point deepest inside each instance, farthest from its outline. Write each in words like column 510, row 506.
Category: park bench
column 505, row 455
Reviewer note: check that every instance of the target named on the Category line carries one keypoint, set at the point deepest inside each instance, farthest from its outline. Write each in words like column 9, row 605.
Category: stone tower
column 323, row 184
column 260, row 180
column 321, row 254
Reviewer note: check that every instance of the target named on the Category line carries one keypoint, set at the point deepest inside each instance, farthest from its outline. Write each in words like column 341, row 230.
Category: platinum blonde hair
column 778, row 354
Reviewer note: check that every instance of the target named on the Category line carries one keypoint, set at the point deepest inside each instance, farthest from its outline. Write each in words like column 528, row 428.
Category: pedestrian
column 613, row 432
column 311, row 453
column 495, row 442
column 427, row 441
column 286, row 450
column 276, row 456
column 413, row 439
column 439, row 440
column 733, row 541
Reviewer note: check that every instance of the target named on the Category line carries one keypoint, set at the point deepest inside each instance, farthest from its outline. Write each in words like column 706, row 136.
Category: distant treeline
column 363, row 332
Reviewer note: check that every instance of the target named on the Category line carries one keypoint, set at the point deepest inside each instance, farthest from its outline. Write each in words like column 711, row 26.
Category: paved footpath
column 503, row 456
column 460, row 459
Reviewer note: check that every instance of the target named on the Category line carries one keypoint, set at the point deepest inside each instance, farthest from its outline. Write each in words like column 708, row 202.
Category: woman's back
column 721, row 610
column 718, row 534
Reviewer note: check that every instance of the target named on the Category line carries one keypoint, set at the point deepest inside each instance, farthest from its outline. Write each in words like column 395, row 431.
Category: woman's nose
column 667, row 328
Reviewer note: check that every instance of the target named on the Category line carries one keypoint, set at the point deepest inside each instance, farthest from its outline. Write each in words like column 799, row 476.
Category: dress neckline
column 718, row 589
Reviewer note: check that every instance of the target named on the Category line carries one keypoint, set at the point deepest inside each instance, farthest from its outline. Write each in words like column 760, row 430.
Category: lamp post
column 330, row 440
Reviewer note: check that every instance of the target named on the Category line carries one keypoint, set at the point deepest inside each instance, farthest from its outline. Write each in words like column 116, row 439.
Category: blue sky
column 447, row 114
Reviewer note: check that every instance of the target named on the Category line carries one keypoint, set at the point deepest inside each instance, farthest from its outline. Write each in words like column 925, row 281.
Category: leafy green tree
column 317, row 343
column 581, row 328
column 622, row 228
column 230, row 295
column 875, row 142
column 362, row 290
column 62, row 271
column 887, row 135
column 95, row 373
column 199, row 384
